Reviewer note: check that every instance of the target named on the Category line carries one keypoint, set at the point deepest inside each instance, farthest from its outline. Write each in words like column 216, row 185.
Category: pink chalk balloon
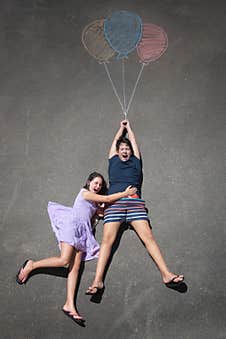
column 153, row 43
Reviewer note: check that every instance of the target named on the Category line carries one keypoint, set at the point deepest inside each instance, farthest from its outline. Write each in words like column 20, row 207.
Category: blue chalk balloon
column 123, row 31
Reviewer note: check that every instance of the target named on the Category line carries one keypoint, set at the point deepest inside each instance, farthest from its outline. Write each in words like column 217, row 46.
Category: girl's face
column 124, row 152
column 95, row 185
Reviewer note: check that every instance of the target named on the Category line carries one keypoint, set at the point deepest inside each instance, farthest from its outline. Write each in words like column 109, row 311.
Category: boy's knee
column 108, row 240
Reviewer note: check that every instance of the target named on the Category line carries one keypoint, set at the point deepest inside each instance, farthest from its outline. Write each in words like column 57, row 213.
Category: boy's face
column 124, row 152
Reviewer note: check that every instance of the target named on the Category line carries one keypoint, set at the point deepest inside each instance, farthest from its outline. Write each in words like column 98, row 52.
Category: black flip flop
column 174, row 284
column 17, row 276
column 99, row 290
column 78, row 321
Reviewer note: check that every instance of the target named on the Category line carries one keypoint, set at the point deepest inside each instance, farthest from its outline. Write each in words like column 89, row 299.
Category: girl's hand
column 100, row 210
column 130, row 190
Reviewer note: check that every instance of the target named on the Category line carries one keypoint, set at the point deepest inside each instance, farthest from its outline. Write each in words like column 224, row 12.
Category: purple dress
column 73, row 225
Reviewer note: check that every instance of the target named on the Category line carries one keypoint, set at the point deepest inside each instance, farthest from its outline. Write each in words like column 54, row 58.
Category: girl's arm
column 113, row 151
column 87, row 195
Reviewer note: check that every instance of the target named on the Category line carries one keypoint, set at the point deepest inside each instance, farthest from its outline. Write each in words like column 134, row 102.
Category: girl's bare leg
column 109, row 236
column 63, row 260
column 72, row 280
column 146, row 235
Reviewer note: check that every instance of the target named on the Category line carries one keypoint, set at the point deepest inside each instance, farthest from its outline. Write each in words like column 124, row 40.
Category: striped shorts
column 126, row 210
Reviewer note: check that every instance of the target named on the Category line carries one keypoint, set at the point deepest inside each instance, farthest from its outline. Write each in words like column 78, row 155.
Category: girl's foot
column 73, row 314
column 173, row 280
column 95, row 288
column 24, row 272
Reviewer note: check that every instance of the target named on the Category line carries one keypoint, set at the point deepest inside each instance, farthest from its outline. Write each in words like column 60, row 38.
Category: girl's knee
column 64, row 261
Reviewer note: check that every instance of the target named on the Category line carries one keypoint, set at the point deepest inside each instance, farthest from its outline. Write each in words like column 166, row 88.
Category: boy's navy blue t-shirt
column 124, row 173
